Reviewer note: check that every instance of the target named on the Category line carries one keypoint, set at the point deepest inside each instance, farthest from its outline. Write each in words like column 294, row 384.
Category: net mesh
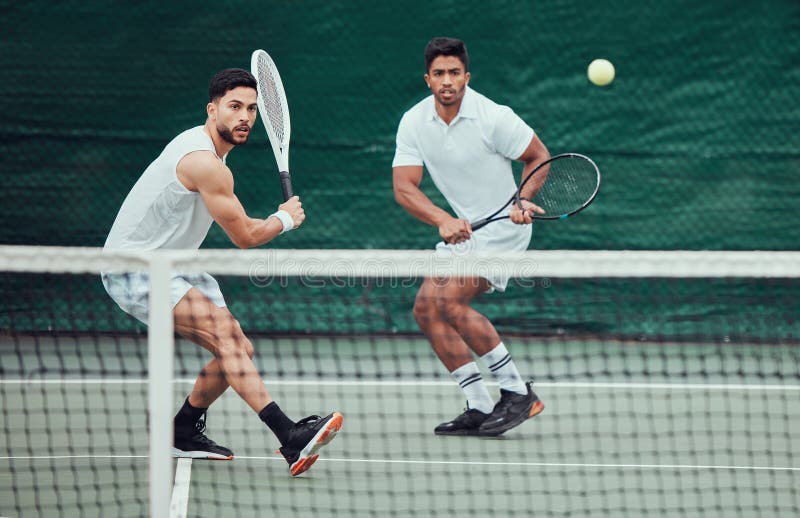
column 272, row 100
column 671, row 385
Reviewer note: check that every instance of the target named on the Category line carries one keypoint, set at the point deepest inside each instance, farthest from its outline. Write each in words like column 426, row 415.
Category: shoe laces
column 199, row 431
column 200, row 425
column 507, row 401
column 307, row 420
column 467, row 415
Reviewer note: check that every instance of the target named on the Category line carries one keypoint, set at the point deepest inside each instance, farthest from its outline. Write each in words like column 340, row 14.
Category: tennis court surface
column 671, row 389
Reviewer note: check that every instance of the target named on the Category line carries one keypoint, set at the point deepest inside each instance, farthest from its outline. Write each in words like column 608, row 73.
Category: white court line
column 75, row 381
column 179, row 505
column 541, row 464
column 56, row 457
column 447, row 463
column 555, row 384
column 423, row 383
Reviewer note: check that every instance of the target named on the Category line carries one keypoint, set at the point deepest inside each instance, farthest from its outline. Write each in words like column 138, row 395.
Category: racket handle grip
column 286, row 185
column 480, row 223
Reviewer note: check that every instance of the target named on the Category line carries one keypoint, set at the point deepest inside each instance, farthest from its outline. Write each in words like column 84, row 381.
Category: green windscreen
column 697, row 137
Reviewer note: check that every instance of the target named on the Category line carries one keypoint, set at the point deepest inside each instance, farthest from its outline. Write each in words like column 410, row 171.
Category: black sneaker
column 511, row 411
column 467, row 423
column 191, row 442
column 306, row 438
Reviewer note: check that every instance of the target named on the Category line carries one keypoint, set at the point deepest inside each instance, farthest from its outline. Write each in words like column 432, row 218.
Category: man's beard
column 458, row 95
column 227, row 136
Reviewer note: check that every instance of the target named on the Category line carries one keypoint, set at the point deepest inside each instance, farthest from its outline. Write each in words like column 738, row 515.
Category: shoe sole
column 308, row 455
column 536, row 408
column 461, row 433
column 180, row 454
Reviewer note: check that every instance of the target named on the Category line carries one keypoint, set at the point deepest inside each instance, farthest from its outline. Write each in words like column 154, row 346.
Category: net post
column 160, row 348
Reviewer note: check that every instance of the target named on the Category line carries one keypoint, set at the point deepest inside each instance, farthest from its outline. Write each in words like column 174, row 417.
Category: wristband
column 285, row 219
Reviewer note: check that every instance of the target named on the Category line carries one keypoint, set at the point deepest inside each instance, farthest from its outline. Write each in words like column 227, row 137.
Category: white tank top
column 160, row 212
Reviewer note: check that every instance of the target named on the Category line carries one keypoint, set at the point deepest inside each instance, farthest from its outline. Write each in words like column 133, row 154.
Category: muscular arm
column 406, row 180
column 534, row 154
column 204, row 173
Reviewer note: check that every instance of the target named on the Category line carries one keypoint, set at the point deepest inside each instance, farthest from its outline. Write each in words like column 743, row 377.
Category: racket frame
column 280, row 148
column 516, row 198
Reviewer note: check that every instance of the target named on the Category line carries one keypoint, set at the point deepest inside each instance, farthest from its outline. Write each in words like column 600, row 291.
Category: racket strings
column 270, row 97
column 570, row 183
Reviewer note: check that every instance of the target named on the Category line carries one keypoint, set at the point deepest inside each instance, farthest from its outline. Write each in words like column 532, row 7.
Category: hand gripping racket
column 274, row 113
column 563, row 185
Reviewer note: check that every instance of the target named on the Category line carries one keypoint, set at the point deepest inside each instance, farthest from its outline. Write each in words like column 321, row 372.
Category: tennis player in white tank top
column 172, row 206
column 467, row 143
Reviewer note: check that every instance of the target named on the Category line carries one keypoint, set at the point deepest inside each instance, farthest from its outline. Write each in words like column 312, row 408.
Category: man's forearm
column 421, row 207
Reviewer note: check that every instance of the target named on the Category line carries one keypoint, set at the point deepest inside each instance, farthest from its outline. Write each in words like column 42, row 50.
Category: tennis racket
column 274, row 113
column 563, row 185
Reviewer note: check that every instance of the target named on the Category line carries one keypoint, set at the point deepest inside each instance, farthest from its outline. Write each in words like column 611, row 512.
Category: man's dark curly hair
column 446, row 47
column 228, row 79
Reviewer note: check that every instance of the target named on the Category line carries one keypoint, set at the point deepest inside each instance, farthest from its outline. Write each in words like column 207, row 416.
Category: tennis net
column 671, row 384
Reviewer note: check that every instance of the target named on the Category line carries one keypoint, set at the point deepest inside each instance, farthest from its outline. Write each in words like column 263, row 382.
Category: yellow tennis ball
column 600, row 72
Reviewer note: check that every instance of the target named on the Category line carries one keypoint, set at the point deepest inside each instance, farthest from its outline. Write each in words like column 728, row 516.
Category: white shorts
column 498, row 236
column 131, row 290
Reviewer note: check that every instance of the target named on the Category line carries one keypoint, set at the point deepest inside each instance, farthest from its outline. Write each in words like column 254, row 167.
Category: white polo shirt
column 470, row 159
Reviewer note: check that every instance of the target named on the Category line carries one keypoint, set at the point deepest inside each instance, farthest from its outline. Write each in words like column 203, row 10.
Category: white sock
column 469, row 379
column 499, row 361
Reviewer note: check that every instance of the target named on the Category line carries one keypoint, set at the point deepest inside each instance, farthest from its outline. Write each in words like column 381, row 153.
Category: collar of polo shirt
column 465, row 111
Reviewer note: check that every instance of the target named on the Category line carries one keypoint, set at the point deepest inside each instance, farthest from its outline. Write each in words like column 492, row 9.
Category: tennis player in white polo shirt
column 467, row 143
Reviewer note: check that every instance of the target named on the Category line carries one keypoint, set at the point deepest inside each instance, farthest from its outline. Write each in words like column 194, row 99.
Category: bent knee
column 425, row 308
column 228, row 335
column 248, row 348
column 233, row 348
column 437, row 307
column 452, row 310
column 244, row 343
